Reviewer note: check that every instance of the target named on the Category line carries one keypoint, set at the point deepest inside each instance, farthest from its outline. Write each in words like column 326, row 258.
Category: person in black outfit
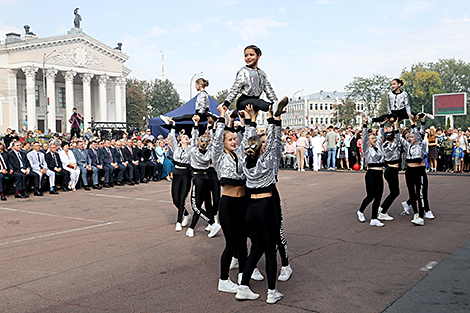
column 96, row 162
column 144, row 167
column 157, row 166
column 20, row 164
column 122, row 162
column 55, row 164
column 6, row 171
column 131, row 157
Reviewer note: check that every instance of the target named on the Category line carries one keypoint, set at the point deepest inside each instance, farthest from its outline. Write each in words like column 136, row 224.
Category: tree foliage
column 346, row 112
column 136, row 100
column 162, row 98
column 221, row 96
column 370, row 90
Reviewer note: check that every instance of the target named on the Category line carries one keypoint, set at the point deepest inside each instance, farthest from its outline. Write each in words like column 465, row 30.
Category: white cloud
column 5, row 29
column 254, row 28
column 316, row 41
column 226, row 3
column 214, row 44
column 465, row 18
column 189, row 28
column 157, row 31
column 413, row 6
column 323, row 2
column 282, row 10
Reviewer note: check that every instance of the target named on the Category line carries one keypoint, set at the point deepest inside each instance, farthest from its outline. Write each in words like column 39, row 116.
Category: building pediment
column 78, row 56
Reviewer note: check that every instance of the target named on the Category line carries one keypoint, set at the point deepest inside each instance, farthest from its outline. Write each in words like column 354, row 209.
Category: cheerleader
column 251, row 82
column 181, row 183
column 261, row 217
column 200, row 161
column 392, row 156
column 373, row 158
column 415, row 173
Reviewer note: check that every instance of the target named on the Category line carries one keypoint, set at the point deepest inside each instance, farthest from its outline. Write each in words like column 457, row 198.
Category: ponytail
column 202, row 82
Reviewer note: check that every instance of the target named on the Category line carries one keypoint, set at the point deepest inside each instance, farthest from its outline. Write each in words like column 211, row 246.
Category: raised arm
column 195, row 131
column 174, row 142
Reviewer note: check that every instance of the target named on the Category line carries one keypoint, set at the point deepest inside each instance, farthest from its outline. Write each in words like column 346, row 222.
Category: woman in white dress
column 69, row 164
column 317, row 149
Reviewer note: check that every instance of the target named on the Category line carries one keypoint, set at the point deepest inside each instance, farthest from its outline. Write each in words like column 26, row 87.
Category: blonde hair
column 202, row 82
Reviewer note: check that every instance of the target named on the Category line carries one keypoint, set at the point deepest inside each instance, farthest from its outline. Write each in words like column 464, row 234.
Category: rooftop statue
column 77, row 19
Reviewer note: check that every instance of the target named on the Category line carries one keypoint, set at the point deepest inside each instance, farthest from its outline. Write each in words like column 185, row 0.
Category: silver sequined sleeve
column 202, row 102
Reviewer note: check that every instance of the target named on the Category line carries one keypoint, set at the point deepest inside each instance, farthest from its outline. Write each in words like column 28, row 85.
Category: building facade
column 78, row 70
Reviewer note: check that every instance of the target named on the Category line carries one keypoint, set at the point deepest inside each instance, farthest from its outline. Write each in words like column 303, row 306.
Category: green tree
column 346, row 112
column 136, row 100
column 221, row 96
column 162, row 97
column 370, row 90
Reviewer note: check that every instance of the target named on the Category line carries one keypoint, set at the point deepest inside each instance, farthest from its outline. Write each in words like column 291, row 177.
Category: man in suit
column 144, row 167
column 132, row 160
column 55, row 164
column 39, row 166
column 96, row 164
column 157, row 166
column 109, row 162
column 7, row 171
column 19, row 163
column 122, row 163
column 84, row 163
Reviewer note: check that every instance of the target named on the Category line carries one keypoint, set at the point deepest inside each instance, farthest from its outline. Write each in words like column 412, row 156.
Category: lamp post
column 293, row 99
column 44, row 59
column 191, row 84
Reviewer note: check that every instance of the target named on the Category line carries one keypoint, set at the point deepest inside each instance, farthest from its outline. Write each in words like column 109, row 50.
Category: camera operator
column 76, row 120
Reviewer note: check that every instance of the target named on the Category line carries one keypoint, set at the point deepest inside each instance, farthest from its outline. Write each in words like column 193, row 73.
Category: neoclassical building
column 79, row 71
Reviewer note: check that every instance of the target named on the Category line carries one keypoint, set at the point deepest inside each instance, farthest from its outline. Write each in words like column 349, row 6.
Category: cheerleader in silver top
column 374, row 159
column 251, row 82
column 261, row 218
column 415, row 173
column 200, row 161
column 181, row 182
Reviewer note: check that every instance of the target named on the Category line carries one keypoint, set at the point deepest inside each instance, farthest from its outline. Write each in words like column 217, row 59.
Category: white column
column 118, row 98
column 103, row 98
column 30, row 73
column 123, row 101
column 13, row 97
column 51, row 108
column 69, row 104
column 86, row 79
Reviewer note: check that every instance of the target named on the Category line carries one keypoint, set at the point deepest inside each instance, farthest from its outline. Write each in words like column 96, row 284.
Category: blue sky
column 310, row 45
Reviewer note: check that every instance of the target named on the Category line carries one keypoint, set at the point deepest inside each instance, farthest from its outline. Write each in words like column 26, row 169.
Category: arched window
column 321, row 106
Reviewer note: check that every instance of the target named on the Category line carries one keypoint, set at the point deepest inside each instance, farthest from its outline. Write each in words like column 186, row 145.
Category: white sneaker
column 286, row 272
column 208, row 228
column 186, row 220
column 214, row 230
column 245, row 293
column 430, row 116
column 406, row 208
column 384, row 217
column 278, row 106
column 178, row 227
column 429, row 215
column 361, row 217
column 227, row 286
column 417, row 220
column 190, row 233
column 257, row 275
column 165, row 119
column 376, row 222
column 302, row 170
column 234, row 264
column 298, row 170
column 274, row 296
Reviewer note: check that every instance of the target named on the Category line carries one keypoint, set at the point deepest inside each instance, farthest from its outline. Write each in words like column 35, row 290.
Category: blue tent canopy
column 159, row 127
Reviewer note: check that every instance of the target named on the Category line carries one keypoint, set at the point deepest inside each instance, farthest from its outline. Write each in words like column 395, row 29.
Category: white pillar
column 118, row 98
column 51, row 108
column 86, row 79
column 13, row 97
column 103, row 98
column 69, row 102
column 30, row 73
column 123, row 101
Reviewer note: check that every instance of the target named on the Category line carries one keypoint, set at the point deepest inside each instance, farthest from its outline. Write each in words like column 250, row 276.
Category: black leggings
column 258, row 104
column 374, row 190
column 179, row 190
column 417, row 184
column 232, row 216
column 391, row 176
column 189, row 117
column 201, row 192
column 396, row 114
column 212, row 174
column 263, row 230
column 282, row 244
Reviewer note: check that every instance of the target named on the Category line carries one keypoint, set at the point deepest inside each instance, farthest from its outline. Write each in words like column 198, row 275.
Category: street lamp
column 191, row 84
column 293, row 97
column 44, row 59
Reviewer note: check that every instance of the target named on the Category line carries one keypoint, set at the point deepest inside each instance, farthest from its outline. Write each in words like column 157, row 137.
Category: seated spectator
column 38, row 164
column 84, row 163
column 19, row 163
column 96, row 163
column 69, row 164
column 157, row 166
column 55, row 164
column 7, row 171
column 289, row 157
column 167, row 166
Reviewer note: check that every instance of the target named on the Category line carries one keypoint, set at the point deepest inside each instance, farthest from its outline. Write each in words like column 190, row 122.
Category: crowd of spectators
column 36, row 164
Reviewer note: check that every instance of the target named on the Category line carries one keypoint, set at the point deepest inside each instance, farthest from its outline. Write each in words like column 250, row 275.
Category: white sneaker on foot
column 361, row 217
column 406, row 208
column 302, row 170
column 257, row 275
column 274, row 296
column 376, row 222
column 186, row 220
column 429, row 215
column 278, row 106
column 234, row 264
column 165, row 119
column 384, row 217
column 190, row 233
column 227, row 286
column 208, row 228
column 178, row 227
column 417, row 220
column 286, row 272
column 245, row 293
column 214, row 230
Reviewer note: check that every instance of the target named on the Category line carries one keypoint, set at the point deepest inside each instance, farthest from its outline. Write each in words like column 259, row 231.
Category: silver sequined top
column 373, row 156
column 197, row 159
column 180, row 155
column 202, row 102
column 392, row 150
column 263, row 174
column 251, row 82
column 398, row 101
column 414, row 153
